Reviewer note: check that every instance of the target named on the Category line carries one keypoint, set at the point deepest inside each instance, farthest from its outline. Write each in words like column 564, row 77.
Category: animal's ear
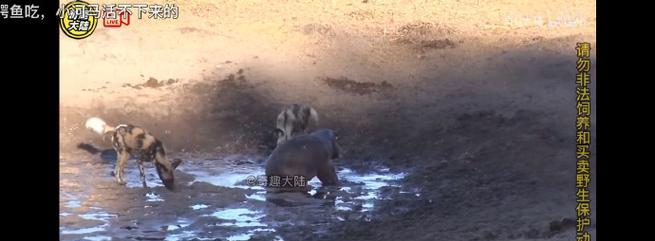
column 278, row 132
column 176, row 163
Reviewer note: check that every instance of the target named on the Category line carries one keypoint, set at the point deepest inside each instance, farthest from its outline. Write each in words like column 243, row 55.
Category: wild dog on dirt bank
column 132, row 140
column 293, row 120
column 305, row 156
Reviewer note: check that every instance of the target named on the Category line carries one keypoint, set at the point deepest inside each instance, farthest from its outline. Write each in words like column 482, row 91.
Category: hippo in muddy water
column 295, row 162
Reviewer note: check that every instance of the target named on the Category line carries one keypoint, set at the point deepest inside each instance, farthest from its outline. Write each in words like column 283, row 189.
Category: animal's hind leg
column 123, row 156
column 142, row 172
column 327, row 174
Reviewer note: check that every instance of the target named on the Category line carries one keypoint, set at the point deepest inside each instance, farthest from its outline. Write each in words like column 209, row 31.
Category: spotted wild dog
column 293, row 120
column 130, row 140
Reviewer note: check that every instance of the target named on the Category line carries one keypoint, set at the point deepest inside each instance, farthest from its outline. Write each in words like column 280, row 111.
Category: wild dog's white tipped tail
column 96, row 124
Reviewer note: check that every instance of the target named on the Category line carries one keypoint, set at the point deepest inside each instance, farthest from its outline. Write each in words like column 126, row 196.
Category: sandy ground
column 474, row 100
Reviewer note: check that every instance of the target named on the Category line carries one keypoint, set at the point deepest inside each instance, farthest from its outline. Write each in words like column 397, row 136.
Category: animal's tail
column 98, row 125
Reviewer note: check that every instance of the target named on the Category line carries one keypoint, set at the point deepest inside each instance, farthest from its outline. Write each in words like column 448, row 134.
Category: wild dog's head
column 166, row 171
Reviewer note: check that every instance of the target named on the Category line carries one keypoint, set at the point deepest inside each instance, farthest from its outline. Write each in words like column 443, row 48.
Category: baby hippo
column 295, row 162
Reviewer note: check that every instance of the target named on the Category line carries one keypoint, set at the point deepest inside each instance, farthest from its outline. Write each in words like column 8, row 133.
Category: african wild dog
column 293, row 120
column 305, row 156
column 132, row 140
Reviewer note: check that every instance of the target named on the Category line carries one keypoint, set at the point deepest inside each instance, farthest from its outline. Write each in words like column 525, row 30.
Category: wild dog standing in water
column 132, row 140
column 305, row 156
column 295, row 119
